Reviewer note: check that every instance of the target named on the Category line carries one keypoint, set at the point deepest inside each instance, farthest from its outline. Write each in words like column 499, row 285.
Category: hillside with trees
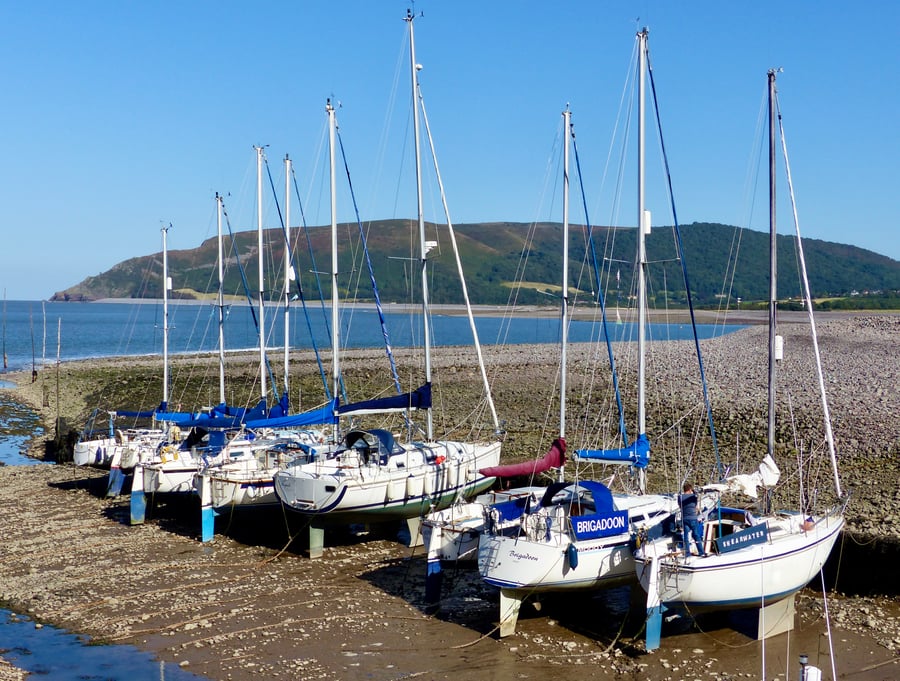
column 505, row 261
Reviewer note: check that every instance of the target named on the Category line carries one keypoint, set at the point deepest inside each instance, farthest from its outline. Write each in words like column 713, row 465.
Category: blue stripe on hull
column 590, row 583
column 744, row 602
column 395, row 509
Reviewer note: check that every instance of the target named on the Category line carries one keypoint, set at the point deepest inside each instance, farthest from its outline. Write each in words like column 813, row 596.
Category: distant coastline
column 671, row 316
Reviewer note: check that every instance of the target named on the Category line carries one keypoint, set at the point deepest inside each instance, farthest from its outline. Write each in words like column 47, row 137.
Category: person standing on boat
column 690, row 520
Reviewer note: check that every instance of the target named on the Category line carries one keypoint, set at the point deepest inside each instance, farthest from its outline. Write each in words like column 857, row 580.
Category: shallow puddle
column 50, row 653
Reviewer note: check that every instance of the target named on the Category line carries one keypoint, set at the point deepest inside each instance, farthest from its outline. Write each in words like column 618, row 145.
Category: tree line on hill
column 508, row 261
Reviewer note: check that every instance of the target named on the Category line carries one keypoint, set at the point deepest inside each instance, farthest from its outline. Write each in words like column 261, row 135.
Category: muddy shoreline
column 251, row 604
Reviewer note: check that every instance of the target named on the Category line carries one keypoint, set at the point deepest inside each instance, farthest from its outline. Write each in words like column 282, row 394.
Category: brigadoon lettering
column 616, row 522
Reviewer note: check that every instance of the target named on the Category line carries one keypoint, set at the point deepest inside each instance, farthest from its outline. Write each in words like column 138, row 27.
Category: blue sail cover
column 637, row 453
column 223, row 416
column 420, row 398
column 325, row 414
column 161, row 413
column 177, row 417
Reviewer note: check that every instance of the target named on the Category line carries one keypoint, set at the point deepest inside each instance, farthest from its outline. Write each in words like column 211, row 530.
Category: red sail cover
column 555, row 458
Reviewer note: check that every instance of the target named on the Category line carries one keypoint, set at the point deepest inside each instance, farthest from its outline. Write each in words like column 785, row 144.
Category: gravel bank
column 242, row 607
column 245, row 608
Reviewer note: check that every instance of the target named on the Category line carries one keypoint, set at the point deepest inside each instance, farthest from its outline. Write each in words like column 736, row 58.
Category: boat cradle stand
column 771, row 620
column 317, row 536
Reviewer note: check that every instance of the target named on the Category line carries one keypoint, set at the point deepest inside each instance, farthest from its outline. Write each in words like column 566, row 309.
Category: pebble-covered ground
column 252, row 606
column 242, row 607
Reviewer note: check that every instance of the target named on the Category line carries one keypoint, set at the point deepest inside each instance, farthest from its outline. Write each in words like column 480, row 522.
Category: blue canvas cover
column 312, row 417
column 637, row 453
column 512, row 509
column 223, row 416
column 420, row 398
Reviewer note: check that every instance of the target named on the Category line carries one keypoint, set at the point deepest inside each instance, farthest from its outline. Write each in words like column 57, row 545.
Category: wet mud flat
column 252, row 605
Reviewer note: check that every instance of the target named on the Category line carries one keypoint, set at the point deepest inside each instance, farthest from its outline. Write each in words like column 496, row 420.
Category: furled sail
column 749, row 483
column 637, row 453
column 420, row 398
column 313, row 417
column 554, row 458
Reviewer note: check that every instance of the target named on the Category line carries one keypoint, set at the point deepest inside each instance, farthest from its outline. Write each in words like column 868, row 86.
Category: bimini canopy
column 564, row 492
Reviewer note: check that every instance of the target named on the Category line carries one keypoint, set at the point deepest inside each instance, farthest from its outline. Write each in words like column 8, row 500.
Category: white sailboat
column 118, row 449
column 371, row 475
column 752, row 560
column 136, row 446
column 168, row 465
column 234, row 466
column 579, row 536
column 241, row 476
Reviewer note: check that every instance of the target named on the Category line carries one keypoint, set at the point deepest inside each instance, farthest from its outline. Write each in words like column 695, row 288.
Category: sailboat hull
column 162, row 478
column 409, row 484
column 543, row 552
column 753, row 576
column 97, row 453
column 513, row 564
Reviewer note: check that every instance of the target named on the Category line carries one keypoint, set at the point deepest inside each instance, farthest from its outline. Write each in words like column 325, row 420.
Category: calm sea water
column 56, row 655
column 35, row 331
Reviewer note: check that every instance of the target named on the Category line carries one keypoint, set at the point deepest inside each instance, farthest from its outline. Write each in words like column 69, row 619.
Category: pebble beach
column 252, row 605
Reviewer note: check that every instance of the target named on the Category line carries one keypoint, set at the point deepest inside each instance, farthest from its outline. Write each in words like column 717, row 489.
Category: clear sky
column 118, row 117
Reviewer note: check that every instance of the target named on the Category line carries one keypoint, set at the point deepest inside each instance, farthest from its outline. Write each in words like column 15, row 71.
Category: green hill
column 502, row 260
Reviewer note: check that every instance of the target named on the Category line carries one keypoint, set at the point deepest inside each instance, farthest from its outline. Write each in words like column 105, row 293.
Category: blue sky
column 118, row 117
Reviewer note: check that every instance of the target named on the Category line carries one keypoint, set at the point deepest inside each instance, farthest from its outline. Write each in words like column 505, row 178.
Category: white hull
column 108, row 451
column 161, row 478
column 514, row 563
column 243, row 474
column 97, row 452
column 170, row 470
column 452, row 534
column 406, row 485
column 533, row 558
column 753, row 576
column 229, row 490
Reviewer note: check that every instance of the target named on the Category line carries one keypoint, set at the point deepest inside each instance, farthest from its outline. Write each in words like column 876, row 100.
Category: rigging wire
column 687, row 286
column 378, row 307
column 601, row 298
column 318, row 280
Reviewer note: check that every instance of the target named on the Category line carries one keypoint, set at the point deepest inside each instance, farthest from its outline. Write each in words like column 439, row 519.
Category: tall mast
column 643, row 228
column 423, row 249
column 773, row 268
column 564, row 301
column 826, row 412
column 259, row 246
column 5, row 362
column 288, row 269
column 166, row 286
column 335, row 298
column 221, row 298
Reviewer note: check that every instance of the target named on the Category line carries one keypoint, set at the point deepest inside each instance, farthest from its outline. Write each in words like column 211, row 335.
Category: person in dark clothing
column 690, row 520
